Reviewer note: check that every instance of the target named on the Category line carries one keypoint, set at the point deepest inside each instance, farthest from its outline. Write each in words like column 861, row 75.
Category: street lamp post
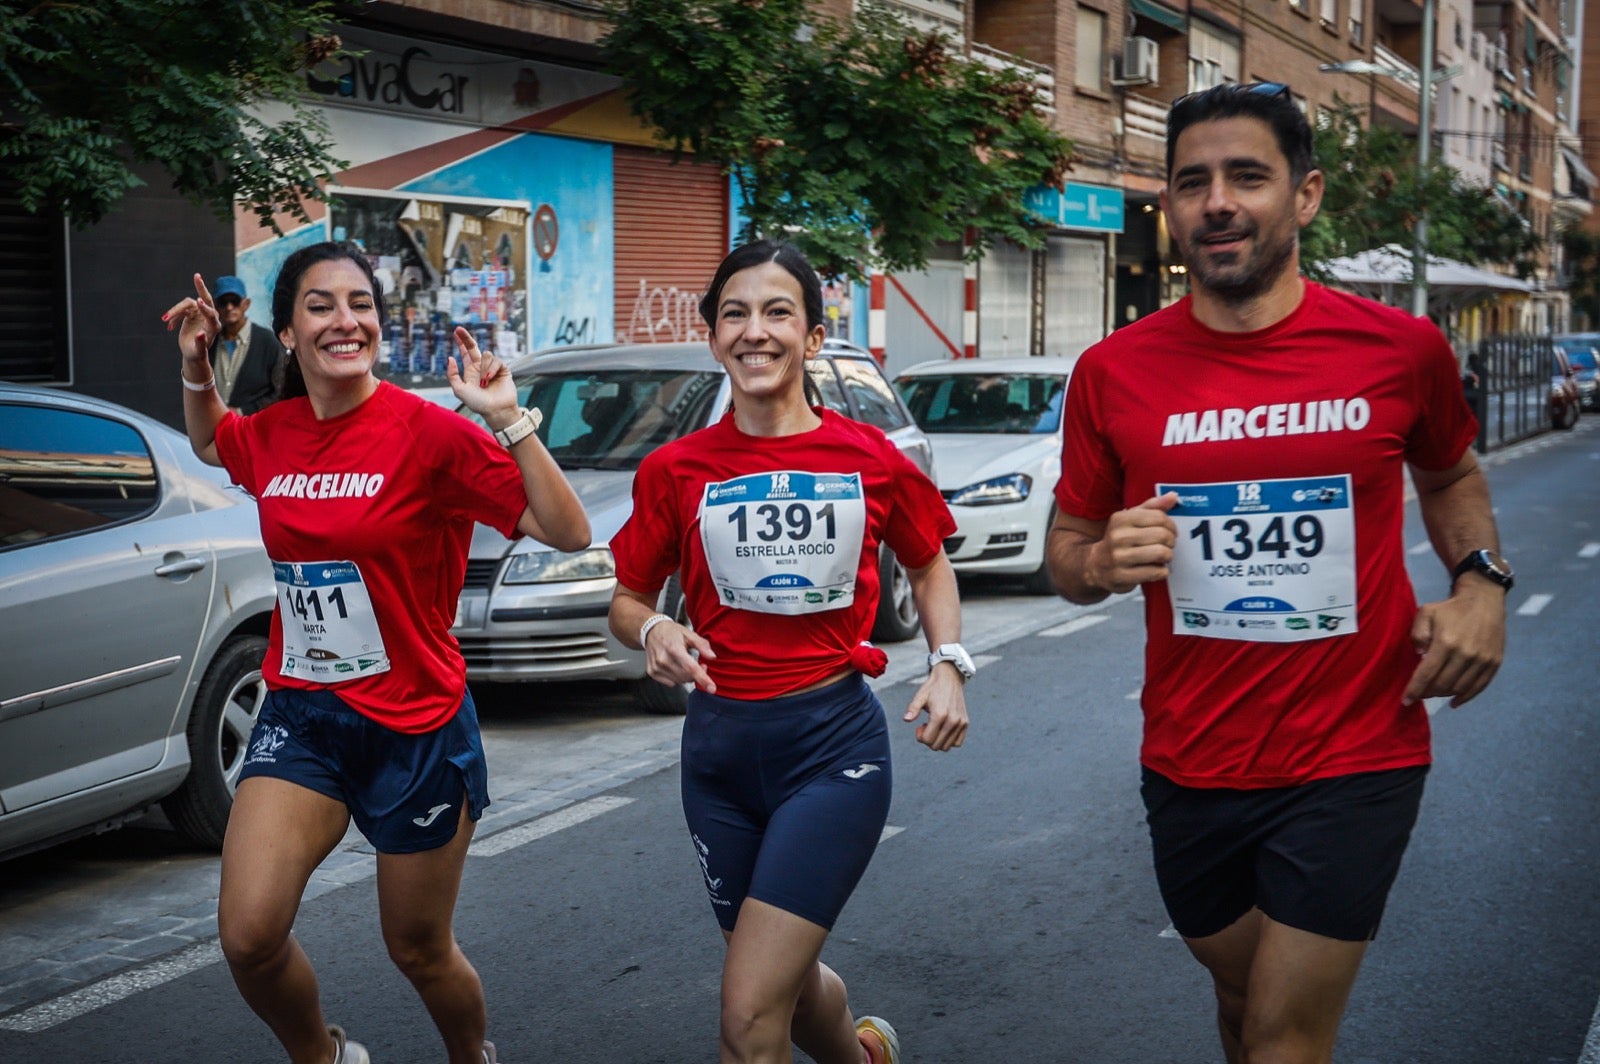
column 1419, row 250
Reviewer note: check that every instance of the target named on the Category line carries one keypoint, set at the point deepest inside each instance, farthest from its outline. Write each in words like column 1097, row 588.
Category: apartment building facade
column 498, row 179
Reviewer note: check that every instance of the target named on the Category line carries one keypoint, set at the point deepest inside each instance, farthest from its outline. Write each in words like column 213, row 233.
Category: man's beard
column 1244, row 282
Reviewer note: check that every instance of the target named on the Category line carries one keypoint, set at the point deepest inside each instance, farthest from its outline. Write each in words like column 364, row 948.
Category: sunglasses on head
column 1272, row 90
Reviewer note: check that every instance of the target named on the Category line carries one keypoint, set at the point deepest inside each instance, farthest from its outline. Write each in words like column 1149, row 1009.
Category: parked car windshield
column 985, row 402
column 1582, row 355
column 611, row 419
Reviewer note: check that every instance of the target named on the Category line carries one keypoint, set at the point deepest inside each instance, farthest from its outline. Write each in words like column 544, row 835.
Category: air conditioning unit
column 1138, row 61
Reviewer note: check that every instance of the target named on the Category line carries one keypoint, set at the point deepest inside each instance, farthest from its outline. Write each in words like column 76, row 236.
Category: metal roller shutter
column 671, row 233
column 33, row 291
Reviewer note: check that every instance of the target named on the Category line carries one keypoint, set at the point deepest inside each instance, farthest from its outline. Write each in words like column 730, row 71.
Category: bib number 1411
column 307, row 605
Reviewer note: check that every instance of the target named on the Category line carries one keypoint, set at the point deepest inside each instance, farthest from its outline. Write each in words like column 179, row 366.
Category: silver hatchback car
column 135, row 599
column 531, row 613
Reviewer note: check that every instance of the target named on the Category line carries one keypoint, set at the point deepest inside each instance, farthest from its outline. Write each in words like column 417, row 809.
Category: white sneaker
column 346, row 1051
column 488, row 1053
column 872, row 1026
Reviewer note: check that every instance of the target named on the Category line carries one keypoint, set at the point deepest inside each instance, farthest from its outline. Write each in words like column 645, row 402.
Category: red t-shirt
column 1341, row 387
column 393, row 486
column 763, row 654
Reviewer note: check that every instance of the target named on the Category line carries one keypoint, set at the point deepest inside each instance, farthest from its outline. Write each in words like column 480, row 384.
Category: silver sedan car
column 531, row 613
column 135, row 598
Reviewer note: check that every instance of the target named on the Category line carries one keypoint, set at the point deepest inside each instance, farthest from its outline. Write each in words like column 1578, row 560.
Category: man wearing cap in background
column 245, row 357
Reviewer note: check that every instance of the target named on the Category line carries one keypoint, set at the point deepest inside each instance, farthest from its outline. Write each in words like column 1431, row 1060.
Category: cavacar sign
column 411, row 81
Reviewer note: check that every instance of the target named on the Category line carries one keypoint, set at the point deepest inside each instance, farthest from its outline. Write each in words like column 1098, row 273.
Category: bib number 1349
column 1264, row 560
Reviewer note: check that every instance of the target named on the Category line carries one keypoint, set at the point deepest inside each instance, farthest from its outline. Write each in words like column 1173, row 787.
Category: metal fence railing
column 1507, row 382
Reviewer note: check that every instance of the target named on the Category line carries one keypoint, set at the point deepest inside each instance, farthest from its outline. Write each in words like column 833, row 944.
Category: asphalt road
column 1010, row 912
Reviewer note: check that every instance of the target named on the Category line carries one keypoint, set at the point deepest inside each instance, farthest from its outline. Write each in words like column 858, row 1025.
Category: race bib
column 787, row 542
column 330, row 631
column 1271, row 561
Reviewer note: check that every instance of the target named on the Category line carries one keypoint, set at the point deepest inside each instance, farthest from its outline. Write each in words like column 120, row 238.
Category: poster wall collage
column 440, row 265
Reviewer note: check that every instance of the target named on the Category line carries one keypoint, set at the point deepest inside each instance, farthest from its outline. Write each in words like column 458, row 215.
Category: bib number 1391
column 784, row 542
column 773, row 523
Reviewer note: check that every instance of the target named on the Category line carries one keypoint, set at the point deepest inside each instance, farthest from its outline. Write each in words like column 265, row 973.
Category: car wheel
column 1038, row 582
column 897, row 618
column 225, row 709
column 669, row 700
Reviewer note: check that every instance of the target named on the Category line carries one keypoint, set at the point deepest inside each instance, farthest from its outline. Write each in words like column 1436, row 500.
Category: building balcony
column 944, row 16
column 1388, row 57
column 1144, row 117
column 1041, row 75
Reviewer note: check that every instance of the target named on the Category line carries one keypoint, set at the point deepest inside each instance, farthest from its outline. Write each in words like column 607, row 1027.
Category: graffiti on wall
column 574, row 330
column 662, row 315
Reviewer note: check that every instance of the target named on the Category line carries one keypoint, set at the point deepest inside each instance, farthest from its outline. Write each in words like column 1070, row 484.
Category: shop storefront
column 516, row 197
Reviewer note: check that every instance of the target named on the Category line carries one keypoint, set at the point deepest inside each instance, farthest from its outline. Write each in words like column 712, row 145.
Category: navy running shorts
column 786, row 798
column 1320, row 856
column 403, row 791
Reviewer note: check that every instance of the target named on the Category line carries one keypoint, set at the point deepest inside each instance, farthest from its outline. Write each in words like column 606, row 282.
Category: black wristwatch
column 1490, row 564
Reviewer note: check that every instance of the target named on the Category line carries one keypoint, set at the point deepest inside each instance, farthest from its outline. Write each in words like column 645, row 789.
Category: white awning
column 1385, row 274
column 1582, row 172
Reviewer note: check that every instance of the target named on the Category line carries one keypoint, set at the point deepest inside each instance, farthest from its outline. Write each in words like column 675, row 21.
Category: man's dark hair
column 1267, row 101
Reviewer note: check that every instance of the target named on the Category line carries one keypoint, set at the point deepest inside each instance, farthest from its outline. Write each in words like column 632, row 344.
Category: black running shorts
column 1320, row 856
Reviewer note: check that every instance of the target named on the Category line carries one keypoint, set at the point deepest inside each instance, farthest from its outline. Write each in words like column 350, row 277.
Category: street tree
column 88, row 91
column 1582, row 267
column 1375, row 192
column 866, row 142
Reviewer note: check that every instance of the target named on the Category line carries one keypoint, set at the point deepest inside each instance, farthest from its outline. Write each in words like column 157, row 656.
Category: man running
column 1241, row 456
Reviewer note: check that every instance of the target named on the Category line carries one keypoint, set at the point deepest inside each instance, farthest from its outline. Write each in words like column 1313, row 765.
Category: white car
column 995, row 426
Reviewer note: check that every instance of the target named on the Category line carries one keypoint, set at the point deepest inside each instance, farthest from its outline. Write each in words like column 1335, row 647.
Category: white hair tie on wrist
column 649, row 623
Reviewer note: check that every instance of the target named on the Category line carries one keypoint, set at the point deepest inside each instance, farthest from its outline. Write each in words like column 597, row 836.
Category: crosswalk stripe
column 522, row 834
column 1077, row 624
column 1534, row 605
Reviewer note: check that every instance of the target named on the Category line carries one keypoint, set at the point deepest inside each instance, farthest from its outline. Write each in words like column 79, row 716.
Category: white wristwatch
column 955, row 654
column 521, row 428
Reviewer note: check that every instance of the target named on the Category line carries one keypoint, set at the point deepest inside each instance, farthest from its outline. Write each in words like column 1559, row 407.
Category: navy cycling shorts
column 404, row 791
column 786, row 798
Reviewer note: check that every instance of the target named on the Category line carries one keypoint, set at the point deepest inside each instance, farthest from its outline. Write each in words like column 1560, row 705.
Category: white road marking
column 983, row 661
column 522, row 834
column 889, row 832
column 1421, row 548
column 1591, row 1045
column 1135, row 694
column 1534, row 606
column 114, row 988
column 1077, row 624
column 1589, row 550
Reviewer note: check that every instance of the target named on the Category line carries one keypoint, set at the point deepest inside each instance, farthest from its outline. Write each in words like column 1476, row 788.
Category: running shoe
column 871, row 1029
column 346, row 1051
column 488, row 1053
